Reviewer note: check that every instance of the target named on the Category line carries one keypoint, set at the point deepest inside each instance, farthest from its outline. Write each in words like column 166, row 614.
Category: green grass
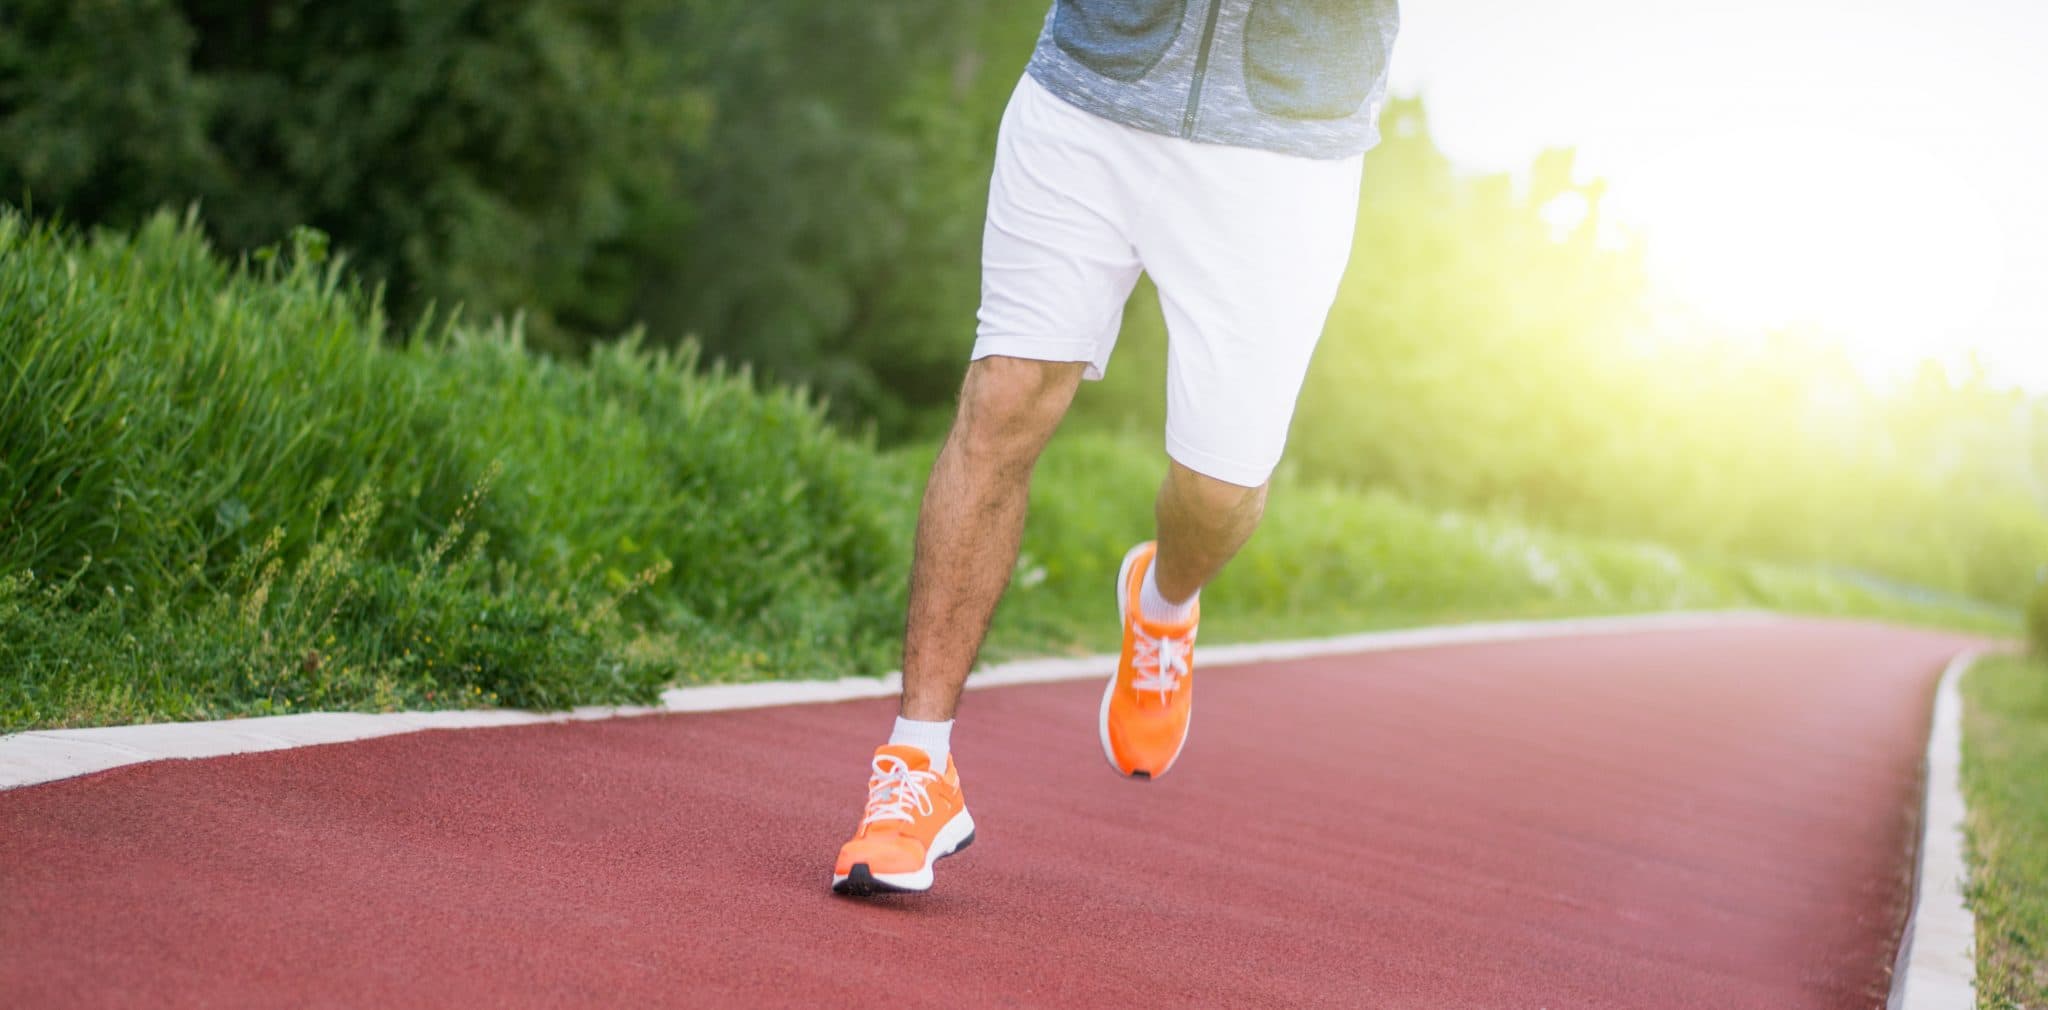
column 1329, row 560
column 2037, row 615
column 2005, row 782
column 226, row 490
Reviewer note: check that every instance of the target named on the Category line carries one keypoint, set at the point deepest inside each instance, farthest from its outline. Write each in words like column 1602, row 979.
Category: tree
column 503, row 155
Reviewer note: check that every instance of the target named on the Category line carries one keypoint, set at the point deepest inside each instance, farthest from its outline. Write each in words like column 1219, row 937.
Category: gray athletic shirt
column 1302, row 77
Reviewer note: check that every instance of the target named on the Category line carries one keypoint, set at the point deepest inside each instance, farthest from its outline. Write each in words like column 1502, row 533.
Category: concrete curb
column 47, row 755
column 1936, row 968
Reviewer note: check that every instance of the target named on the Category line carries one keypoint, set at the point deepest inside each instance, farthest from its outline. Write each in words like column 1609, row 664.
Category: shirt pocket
column 1119, row 39
column 1313, row 59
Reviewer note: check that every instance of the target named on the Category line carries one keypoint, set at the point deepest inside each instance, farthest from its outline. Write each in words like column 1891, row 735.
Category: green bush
column 223, row 491
column 1477, row 358
column 1329, row 560
column 336, row 628
column 181, row 438
column 2037, row 614
column 745, row 173
column 503, row 155
column 799, row 182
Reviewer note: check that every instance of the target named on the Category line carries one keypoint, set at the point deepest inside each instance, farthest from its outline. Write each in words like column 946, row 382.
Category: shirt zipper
column 1187, row 119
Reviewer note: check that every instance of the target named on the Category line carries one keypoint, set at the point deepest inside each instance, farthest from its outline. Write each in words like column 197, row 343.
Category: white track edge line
column 1936, row 967
column 36, row 756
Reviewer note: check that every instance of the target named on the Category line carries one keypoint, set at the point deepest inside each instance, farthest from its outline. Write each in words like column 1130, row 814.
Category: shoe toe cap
column 1146, row 743
column 883, row 853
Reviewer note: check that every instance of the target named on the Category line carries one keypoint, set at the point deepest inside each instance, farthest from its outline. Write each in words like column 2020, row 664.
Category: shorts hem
column 1208, row 464
column 1039, row 349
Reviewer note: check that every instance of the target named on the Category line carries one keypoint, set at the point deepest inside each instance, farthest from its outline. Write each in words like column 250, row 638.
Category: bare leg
column 972, row 521
column 1202, row 523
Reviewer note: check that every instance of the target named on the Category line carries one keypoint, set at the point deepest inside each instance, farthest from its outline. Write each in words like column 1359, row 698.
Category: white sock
column 933, row 738
column 1158, row 609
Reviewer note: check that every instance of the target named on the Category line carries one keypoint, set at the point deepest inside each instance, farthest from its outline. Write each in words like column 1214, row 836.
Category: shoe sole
column 952, row 839
column 1123, row 575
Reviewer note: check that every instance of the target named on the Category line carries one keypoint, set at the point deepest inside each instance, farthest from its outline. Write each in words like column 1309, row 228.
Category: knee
column 1010, row 406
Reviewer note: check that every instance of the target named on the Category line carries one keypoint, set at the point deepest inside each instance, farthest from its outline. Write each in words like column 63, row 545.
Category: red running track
column 1718, row 818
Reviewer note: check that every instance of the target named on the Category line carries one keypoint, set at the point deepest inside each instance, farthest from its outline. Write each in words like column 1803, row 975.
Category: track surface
column 1715, row 818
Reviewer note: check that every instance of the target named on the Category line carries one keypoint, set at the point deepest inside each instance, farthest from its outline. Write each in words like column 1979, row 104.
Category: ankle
column 934, row 738
column 1156, row 608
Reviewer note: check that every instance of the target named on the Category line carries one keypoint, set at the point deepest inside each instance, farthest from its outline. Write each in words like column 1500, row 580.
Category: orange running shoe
column 914, row 819
column 1148, row 703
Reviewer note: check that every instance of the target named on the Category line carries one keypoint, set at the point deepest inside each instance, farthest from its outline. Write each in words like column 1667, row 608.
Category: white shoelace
column 895, row 789
column 1160, row 662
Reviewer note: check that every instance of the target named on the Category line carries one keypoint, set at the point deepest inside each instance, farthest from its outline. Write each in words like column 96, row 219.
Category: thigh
column 1057, row 262
column 1247, row 249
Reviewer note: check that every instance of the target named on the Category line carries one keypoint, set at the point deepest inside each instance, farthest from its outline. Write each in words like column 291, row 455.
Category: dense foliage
column 798, row 186
column 1487, row 352
column 2037, row 618
column 797, row 183
column 223, row 490
column 229, row 474
column 506, row 156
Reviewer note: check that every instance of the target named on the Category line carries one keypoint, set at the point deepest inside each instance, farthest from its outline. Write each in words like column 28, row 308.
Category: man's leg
column 972, row 521
column 1057, row 267
column 1202, row 524
column 1202, row 521
column 968, row 530
column 1246, row 248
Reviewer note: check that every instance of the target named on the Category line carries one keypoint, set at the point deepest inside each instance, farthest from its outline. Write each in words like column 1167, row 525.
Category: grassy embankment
column 2005, row 781
column 223, row 491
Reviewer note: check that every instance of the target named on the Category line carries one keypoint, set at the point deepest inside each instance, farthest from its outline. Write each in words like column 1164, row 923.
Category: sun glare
column 1883, row 247
column 1869, row 171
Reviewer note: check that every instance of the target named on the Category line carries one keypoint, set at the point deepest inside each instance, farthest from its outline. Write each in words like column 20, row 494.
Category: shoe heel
column 962, row 847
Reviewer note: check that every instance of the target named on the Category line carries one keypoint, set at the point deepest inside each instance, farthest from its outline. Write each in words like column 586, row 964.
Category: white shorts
column 1245, row 246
